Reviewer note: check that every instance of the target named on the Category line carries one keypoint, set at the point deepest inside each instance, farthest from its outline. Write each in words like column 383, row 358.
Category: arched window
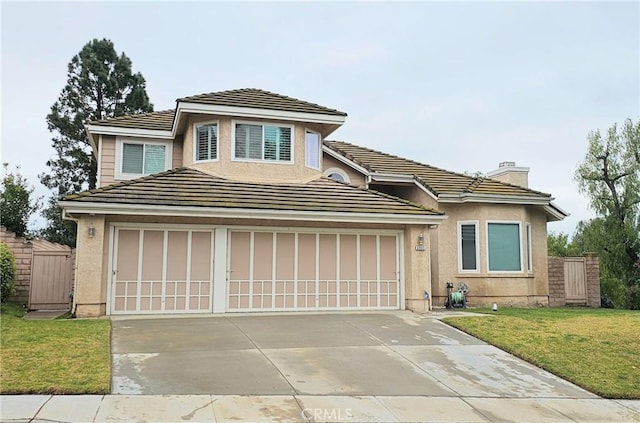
column 337, row 175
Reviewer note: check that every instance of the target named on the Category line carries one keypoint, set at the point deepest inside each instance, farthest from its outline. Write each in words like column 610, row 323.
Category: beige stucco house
column 235, row 201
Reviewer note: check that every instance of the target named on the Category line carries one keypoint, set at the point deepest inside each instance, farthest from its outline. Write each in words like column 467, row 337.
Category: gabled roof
column 195, row 190
column 249, row 98
column 260, row 99
column 438, row 181
column 161, row 120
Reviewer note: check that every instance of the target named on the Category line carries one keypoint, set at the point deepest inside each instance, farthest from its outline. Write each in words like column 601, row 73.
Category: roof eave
column 494, row 198
column 75, row 208
column 344, row 160
column 555, row 213
column 92, row 142
column 190, row 107
column 129, row 132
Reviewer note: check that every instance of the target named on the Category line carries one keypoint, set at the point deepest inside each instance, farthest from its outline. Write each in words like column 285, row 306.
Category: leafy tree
column 16, row 201
column 591, row 235
column 558, row 245
column 7, row 272
column 58, row 229
column 100, row 85
column 610, row 176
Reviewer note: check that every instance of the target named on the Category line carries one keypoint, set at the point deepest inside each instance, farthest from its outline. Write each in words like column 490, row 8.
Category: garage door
column 162, row 271
column 312, row 271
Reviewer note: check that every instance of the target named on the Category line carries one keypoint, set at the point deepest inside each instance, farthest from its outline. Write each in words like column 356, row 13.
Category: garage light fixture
column 91, row 231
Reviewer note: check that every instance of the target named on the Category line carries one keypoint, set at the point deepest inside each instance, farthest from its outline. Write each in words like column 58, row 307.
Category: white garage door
column 312, row 271
column 162, row 271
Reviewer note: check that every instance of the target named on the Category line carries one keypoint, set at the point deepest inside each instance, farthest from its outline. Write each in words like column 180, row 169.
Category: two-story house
column 234, row 201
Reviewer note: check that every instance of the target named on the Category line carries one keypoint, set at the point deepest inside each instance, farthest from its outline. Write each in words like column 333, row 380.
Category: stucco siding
column 255, row 171
column 177, row 158
column 486, row 287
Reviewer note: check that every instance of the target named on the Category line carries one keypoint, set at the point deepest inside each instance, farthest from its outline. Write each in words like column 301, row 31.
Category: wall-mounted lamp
column 421, row 239
column 91, row 231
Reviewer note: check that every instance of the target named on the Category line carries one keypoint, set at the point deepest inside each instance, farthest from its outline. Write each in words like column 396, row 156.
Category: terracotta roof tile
column 260, row 99
column 192, row 188
column 438, row 181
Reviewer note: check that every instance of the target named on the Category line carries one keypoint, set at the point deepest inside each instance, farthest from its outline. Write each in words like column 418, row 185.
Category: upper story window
column 468, row 250
column 139, row 158
column 312, row 149
column 503, row 247
column 206, row 142
column 263, row 142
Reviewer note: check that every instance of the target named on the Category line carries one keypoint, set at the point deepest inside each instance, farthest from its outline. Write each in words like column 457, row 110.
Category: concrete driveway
column 348, row 354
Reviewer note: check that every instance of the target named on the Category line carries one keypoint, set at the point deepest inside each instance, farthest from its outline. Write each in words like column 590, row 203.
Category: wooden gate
column 575, row 280
column 51, row 280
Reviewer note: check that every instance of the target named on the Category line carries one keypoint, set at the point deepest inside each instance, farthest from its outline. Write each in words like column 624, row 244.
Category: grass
column 63, row 356
column 596, row 349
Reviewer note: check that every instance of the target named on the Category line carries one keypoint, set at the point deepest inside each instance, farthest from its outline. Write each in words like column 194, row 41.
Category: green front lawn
column 597, row 349
column 64, row 356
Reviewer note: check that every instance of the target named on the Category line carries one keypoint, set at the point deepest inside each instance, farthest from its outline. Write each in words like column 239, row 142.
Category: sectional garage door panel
column 278, row 271
column 162, row 271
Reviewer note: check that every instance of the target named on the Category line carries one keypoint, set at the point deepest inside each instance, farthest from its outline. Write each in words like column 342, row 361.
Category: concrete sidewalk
column 307, row 408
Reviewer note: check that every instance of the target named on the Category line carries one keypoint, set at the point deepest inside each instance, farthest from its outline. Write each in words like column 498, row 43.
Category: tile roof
column 247, row 97
column 192, row 188
column 162, row 121
column 438, row 181
column 260, row 99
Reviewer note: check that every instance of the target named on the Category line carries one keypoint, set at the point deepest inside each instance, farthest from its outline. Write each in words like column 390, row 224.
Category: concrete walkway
column 310, row 408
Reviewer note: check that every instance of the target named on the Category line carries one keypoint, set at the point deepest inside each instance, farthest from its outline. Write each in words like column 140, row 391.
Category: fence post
column 593, row 279
column 557, row 295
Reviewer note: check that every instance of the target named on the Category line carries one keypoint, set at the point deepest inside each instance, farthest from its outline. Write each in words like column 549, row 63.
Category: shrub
column 633, row 296
column 7, row 273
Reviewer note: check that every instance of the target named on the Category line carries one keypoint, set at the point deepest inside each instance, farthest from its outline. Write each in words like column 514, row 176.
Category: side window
column 206, row 142
column 528, row 246
column 312, row 150
column 138, row 159
column 468, row 251
column 503, row 247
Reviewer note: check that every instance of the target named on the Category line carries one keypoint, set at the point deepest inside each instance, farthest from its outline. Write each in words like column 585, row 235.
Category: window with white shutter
column 263, row 142
column 206, row 142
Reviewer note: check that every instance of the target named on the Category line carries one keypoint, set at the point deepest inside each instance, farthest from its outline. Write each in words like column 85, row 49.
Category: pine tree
column 100, row 85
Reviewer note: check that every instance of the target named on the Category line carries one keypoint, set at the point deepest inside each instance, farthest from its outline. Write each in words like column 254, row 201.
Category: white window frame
column 476, row 223
column 339, row 171
column 119, row 175
column 234, row 123
column 529, row 246
column 510, row 222
column 306, row 150
column 195, row 141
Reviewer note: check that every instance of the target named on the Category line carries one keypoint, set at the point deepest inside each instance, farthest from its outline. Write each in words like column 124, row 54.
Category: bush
column 7, row 273
column 633, row 297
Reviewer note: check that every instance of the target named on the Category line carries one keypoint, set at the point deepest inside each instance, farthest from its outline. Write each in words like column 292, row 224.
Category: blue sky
column 462, row 85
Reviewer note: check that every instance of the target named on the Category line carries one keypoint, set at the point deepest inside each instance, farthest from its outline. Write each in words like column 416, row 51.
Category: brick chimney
column 510, row 173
